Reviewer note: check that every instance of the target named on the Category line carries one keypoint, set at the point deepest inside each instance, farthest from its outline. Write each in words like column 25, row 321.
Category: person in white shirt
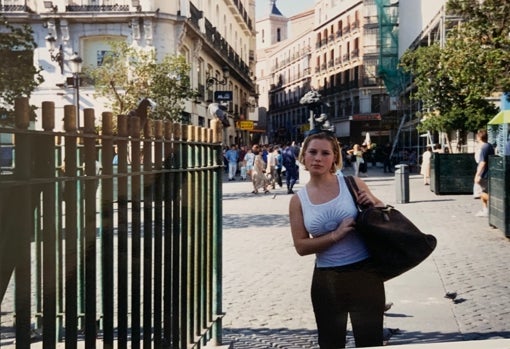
column 322, row 221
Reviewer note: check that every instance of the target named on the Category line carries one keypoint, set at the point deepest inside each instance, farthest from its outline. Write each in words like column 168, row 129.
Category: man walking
column 291, row 169
column 482, row 170
column 232, row 156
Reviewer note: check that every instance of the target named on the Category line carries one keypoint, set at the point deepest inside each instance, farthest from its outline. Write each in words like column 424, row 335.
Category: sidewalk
column 266, row 284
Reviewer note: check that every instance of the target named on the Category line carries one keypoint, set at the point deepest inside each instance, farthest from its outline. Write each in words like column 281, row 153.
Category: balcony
column 237, row 8
column 102, row 6
column 196, row 15
column 14, row 6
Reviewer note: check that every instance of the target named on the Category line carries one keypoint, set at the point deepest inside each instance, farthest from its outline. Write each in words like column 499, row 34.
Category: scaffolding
column 388, row 70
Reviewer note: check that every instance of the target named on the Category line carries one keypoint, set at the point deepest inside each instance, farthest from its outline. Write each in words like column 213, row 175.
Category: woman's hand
column 343, row 229
column 365, row 196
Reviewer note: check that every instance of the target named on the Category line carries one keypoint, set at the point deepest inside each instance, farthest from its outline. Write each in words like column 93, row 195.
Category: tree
column 18, row 75
column 454, row 81
column 128, row 74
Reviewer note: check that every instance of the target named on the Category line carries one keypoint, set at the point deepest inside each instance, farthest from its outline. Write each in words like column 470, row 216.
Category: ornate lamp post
column 76, row 62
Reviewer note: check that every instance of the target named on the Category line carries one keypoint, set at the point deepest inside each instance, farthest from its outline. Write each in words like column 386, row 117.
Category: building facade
column 213, row 36
column 283, row 72
column 333, row 48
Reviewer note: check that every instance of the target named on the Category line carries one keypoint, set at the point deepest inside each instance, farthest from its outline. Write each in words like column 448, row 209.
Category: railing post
column 171, row 243
column 148, row 187
column 23, row 202
column 159, row 219
column 107, row 230
column 135, row 233
column 51, row 276
column 90, row 248
column 217, row 233
column 71, row 228
column 181, row 222
column 122, row 258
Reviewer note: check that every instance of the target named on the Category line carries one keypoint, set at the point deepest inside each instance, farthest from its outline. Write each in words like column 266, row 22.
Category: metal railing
column 112, row 237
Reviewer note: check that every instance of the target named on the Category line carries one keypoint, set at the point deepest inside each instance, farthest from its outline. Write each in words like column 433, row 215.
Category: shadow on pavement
column 284, row 338
column 251, row 338
column 236, row 221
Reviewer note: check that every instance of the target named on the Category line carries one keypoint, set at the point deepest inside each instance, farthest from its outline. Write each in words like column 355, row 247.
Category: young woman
column 322, row 220
column 357, row 158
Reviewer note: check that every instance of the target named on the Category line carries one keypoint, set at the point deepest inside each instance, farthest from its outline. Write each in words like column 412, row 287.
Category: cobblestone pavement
column 266, row 284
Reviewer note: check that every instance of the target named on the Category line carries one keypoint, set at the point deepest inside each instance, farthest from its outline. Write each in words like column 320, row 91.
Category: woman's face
column 319, row 156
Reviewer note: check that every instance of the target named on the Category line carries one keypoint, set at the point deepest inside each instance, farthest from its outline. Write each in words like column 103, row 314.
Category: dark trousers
column 291, row 176
column 353, row 290
column 387, row 165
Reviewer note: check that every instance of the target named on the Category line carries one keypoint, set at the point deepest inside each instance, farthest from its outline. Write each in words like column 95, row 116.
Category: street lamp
column 59, row 55
column 76, row 61
column 211, row 80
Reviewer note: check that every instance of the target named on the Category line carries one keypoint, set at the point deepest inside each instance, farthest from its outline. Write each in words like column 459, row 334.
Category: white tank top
column 323, row 218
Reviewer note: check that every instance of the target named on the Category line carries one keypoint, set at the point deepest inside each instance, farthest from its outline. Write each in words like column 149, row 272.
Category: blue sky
column 287, row 7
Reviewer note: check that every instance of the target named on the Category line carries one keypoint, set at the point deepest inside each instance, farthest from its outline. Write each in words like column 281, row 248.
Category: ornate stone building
column 214, row 36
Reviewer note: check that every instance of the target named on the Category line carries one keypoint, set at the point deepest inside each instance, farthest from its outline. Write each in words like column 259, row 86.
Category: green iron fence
column 105, row 252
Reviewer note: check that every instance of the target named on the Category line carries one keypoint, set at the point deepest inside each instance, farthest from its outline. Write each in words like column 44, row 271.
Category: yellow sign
column 246, row 125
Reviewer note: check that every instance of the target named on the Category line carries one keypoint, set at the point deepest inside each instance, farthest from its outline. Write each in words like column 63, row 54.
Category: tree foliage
column 128, row 74
column 454, row 81
column 18, row 75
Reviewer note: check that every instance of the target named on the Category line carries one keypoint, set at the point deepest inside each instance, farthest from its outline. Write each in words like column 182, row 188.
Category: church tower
column 273, row 28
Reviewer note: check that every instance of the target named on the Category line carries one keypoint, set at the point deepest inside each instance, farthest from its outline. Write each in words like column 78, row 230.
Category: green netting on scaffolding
column 394, row 78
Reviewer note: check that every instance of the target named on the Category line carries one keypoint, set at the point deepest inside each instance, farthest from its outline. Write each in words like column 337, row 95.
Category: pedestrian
column 271, row 166
column 291, row 168
column 356, row 158
column 240, row 161
column 249, row 159
column 425, row 165
column 258, row 178
column 387, row 158
column 322, row 220
column 482, row 170
column 279, row 166
column 232, row 156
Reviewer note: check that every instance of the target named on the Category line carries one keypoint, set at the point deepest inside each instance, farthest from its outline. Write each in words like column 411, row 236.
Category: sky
column 288, row 8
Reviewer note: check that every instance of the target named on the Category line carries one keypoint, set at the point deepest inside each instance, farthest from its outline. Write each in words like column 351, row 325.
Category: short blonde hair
column 338, row 162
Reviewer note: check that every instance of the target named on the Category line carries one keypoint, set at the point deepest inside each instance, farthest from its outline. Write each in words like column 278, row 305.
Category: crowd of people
column 269, row 166
column 264, row 165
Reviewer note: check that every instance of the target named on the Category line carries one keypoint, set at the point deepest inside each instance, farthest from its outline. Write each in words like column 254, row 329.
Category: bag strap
column 353, row 189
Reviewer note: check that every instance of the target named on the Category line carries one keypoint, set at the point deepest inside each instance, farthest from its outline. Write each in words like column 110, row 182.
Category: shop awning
column 503, row 117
